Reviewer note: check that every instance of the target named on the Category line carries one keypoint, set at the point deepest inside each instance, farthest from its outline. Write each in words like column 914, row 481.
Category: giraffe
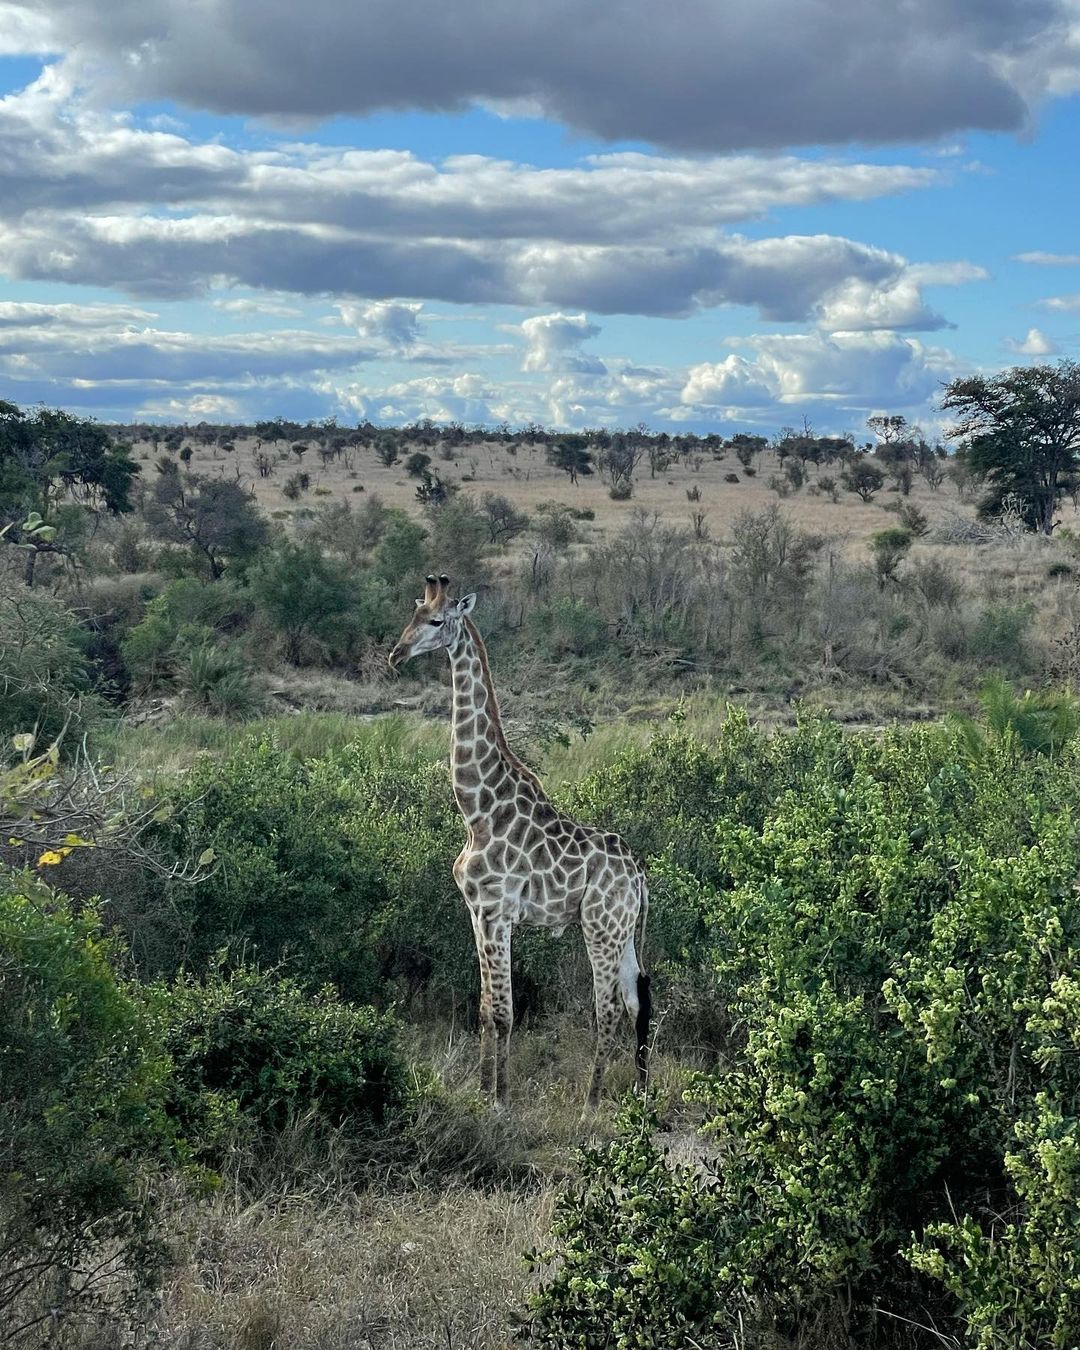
column 524, row 862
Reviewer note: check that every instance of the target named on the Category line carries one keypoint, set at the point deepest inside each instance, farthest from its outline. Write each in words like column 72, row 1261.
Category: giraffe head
column 436, row 623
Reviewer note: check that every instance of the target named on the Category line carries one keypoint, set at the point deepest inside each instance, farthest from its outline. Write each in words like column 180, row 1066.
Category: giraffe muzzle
column 397, row 657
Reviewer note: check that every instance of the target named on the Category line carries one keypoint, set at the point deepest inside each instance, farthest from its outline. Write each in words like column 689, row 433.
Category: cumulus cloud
column 1036, row 343
column 394, row 325
column 46, row 350
column 553, row 343
column 857, row 370
column 467, row 397
column 58, row 152
column 732, row 383
column 776, row 73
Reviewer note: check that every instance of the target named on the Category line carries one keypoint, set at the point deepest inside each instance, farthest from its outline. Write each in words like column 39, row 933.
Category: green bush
column 252, row 1053
column 189, row 613
column 1000, row 638
column 82, row 1121
column 217, row 680
column 336, row 869
column 568, row 628
column 311, row 601
column 893, row 931
column 46, row 684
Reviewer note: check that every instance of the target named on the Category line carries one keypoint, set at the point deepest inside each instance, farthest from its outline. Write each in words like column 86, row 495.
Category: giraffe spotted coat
column 525, row 862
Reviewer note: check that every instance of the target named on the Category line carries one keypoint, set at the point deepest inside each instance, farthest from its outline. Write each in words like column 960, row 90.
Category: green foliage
column 893, row 932
column 634, row 1270
column 56, row 466
column 1000, row 637
column 889, row 548
column 217, row 679
column 188, row 614
column 309, row 599
column 251, row 1053
column 1022, row 435
column 1041, row 723
column 217, row 520
column 338, row 869
column 82, row 1119
column 568, row 627
column 863, row 479
column 45, row 680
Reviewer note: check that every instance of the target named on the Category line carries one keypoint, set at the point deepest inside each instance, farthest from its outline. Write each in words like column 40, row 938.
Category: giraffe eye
column 436, row 623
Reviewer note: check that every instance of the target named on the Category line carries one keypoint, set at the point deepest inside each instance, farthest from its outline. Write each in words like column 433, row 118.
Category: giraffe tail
column 641, row 1028
column 644, row 993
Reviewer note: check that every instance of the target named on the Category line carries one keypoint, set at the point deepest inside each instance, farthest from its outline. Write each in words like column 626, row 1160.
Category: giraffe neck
column 482, row 764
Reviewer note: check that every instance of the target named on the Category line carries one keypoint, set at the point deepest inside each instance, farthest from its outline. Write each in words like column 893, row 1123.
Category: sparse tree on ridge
column 1022, row 432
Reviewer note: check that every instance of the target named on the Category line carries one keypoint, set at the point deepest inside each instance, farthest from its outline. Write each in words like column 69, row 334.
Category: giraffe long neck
column 480, row 758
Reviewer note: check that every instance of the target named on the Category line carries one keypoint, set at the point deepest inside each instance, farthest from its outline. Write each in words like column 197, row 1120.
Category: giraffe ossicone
column 525, row 862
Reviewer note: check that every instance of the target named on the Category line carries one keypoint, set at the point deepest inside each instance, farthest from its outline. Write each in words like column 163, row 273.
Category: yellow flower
column 52, row 856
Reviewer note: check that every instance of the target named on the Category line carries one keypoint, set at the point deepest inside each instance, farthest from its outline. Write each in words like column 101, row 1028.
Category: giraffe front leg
column 488, row 1035
column 496, row 1008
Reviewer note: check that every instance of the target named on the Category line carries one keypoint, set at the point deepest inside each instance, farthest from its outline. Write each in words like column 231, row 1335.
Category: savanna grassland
column 238, row 990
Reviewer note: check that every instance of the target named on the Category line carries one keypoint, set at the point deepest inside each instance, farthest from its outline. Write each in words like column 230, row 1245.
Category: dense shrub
column 252, row 1052
column 46, row 684
column 1000, row 639
column 338, row 870
column 83, row 1092
column 216, row 679
column 188, row 613
column 894, row 934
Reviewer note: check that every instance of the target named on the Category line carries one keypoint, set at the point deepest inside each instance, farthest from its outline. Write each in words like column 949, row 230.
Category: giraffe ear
column 418, row 602
column 466, row 604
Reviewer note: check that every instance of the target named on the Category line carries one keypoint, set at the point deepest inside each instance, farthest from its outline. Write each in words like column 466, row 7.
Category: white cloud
column 25, row 33
column 115, row 344
column 1036, row 343
column 196, row 408
column 553, row 343
column 1062, row 304
column 394, row 325
column 467, row 397
column 732, row 383
column 1042, row 259
column 275, row 309
column 90, row 198
column 28, row 314
column 858, row 370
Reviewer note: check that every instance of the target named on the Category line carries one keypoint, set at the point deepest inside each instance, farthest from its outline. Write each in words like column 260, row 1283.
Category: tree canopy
column 215, row 517
column 49, row 459
column 1021, row 430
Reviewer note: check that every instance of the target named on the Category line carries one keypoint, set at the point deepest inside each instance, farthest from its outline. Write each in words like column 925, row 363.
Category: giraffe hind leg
column 608, row 1016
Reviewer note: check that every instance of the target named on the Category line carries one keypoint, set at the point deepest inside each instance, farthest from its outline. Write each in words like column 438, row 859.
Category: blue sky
column 711, row 217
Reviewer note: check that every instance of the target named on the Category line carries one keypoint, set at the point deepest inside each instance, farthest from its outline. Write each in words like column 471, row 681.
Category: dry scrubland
column 1022, row 570
column 528, row 480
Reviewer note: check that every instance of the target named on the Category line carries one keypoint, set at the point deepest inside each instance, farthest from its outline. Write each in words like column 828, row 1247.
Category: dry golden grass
column 436, row 1267
column 311, row 1255
column 527, row 479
